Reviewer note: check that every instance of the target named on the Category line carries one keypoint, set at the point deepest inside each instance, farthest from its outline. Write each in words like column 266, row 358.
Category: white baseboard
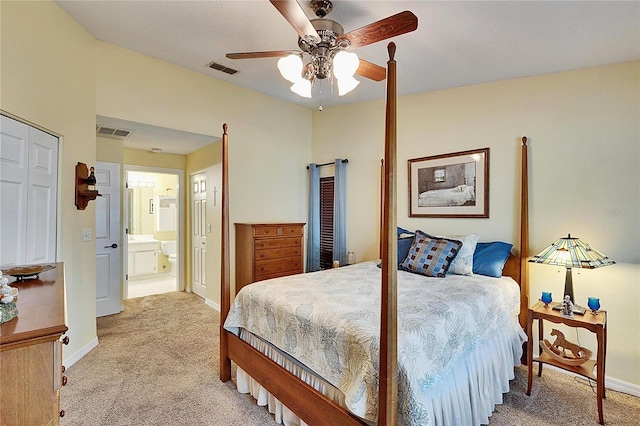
column 69, row 361
column 212, row 304
column 610, row 382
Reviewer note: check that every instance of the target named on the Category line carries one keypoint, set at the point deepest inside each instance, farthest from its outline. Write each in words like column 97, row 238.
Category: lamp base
column 577, row 309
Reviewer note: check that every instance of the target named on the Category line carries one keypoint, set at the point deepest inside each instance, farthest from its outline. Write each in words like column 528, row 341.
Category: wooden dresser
column 31, row 353
column 268, row 250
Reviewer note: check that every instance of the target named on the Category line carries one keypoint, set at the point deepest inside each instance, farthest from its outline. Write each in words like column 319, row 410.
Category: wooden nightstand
column 594, row 323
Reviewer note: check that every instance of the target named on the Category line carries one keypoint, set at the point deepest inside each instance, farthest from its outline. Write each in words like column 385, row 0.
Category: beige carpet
column 157, row 364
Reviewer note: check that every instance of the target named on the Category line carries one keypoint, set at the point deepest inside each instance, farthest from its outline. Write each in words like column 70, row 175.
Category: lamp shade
column 290, row 68
column 345, row 64
column 346, row 84
column 572, row 253
column 302, row 87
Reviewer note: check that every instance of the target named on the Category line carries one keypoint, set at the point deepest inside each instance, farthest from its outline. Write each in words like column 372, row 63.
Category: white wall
column 584, row 162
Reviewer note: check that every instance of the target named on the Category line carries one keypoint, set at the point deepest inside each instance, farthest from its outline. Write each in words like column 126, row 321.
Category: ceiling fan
column 326, row 43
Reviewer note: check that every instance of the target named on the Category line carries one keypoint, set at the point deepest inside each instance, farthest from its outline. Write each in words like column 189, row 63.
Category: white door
column 108, row 246
column 28, row 190
column 198, row 233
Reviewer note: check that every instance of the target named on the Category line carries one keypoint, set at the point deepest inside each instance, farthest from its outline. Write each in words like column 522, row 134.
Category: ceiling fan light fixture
column 290, row 68
column 302, row 87
column 345, row 64
column 346, row 84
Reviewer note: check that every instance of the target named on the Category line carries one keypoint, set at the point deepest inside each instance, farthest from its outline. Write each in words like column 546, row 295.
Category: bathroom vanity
column 142, row 255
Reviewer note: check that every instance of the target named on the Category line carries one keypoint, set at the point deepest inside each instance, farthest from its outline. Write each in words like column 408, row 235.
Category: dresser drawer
column 266, row 231
column 278, row 266
column 274, row 243
column 291, row 230
column 277, row 253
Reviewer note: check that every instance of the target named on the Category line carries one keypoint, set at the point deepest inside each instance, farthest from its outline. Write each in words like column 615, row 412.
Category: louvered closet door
column 28, row 191
column 198, row 234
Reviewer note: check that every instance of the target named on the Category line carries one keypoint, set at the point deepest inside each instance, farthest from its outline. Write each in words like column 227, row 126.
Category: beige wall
column 584, row 137
column 269, row 139
column 48, row 79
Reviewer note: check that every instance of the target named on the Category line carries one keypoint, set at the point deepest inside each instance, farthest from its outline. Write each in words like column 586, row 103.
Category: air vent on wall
column 114, row 133
column 218, row 67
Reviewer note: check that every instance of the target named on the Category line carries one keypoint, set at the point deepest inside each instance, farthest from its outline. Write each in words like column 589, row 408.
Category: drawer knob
column 61, row 413
column 64, row 380
column 296, row 252
column 65, row 340
column 261, row 244
column 261, row 254
column 262, row 268
column 296, row 263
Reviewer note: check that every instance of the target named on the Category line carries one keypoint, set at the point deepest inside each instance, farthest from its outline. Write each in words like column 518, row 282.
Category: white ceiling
column 456, row 44
column 149, row 138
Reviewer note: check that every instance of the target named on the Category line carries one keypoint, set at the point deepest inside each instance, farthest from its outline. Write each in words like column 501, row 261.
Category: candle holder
column 594, row 304
column 546, row 298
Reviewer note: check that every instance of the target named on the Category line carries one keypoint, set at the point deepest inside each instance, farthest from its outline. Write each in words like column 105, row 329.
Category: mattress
column 449, row 329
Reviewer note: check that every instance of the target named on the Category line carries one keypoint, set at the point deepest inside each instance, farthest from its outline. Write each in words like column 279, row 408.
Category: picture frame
column 450, row 185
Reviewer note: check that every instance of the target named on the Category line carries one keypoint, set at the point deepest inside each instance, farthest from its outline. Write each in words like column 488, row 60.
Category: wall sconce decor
column 83, row 180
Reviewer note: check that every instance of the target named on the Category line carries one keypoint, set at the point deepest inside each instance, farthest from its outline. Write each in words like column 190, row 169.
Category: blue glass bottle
column 546, row 298
column 594, row 304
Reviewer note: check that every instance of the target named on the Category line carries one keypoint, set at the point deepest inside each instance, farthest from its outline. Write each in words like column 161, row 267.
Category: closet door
column 28, row 194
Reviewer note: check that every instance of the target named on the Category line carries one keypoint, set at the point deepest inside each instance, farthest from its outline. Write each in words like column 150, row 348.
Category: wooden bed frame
column 307, row 403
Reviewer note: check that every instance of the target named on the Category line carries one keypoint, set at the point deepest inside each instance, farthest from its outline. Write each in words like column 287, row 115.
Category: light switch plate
column 86, row 234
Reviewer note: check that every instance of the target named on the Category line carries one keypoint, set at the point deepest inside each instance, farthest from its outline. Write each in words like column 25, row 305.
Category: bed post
column 225, row 282
column 381, row 207
column 524, row 236
column 388, row 387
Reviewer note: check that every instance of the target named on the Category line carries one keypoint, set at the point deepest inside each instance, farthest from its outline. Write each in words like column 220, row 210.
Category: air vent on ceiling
column 111, row 132
column 222, row 68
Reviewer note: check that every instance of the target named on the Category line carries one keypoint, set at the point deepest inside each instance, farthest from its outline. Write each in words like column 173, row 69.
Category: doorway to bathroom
column 153, row 223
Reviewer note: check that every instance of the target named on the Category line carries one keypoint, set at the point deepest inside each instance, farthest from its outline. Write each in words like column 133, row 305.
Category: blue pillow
column 431, row 256
column 489, row 258
column 402, row 231
column 404, row 244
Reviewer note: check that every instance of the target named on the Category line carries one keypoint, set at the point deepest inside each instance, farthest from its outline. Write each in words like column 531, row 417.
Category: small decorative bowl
column 25, row 272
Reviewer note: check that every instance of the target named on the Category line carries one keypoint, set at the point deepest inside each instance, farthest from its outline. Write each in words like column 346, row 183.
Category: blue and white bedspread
column 330, row 322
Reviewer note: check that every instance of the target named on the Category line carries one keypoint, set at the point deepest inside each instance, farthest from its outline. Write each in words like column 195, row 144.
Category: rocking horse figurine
column 558, row 350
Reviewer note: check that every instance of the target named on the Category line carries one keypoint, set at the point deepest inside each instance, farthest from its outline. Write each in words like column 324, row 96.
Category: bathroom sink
column 143, row 243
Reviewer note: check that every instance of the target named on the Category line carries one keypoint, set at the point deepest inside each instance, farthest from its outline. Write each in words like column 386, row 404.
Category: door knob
column 114, row 245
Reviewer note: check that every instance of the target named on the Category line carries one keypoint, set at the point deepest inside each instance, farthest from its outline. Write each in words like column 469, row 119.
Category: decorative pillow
column 403, row 233
column 463, row 263
column 489, row 258
column 404, row 244
column 430, row 256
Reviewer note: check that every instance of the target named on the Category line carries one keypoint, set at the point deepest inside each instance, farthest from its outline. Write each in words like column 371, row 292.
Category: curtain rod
column 329, row 164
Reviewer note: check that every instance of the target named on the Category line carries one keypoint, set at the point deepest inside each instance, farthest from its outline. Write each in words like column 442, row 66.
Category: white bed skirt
column 466, row 395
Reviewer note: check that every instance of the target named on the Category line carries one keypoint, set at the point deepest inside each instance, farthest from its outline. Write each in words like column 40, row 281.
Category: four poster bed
column 310, row 345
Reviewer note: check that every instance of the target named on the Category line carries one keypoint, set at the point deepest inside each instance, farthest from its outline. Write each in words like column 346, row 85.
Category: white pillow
column 463, row 262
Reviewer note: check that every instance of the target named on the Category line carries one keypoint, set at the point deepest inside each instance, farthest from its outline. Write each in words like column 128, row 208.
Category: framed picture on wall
column 450, row 185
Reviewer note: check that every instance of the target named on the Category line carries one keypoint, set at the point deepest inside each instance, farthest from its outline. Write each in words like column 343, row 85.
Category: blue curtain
column 313, row 234
column 340, row 212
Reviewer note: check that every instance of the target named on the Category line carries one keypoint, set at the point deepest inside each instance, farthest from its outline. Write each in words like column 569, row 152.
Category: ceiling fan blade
column 296, row 17
column 268, row 54
column 401, row 23
column 372, row 71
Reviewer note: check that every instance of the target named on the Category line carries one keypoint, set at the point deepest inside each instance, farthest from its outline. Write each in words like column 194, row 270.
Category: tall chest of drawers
column 268, row 250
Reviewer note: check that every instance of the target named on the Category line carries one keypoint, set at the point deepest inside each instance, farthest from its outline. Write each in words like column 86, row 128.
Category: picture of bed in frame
column 310, row 346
